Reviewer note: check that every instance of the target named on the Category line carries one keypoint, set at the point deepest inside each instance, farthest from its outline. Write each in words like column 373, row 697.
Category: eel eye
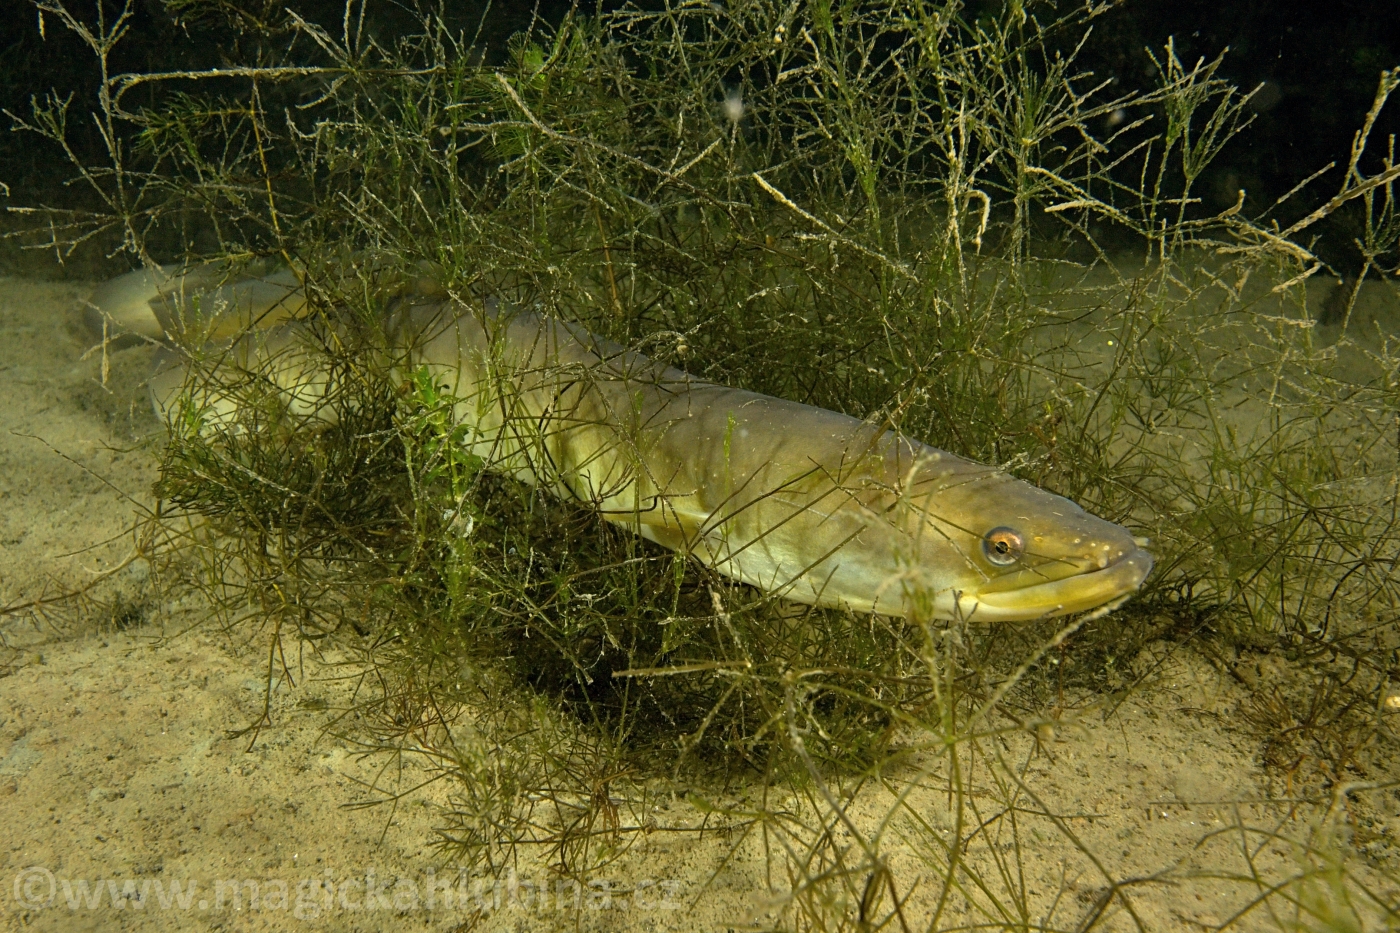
column 1002, row 546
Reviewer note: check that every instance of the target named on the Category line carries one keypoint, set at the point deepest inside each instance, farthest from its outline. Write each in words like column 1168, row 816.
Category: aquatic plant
column 895, row 210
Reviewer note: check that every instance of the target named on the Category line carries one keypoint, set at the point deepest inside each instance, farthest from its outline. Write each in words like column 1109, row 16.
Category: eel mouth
column 1076, row 593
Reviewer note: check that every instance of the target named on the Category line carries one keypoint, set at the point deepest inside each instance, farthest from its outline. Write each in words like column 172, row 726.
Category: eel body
column 801, row 502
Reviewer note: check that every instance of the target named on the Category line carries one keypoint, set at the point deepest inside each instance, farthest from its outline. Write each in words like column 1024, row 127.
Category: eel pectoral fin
column 668, row 537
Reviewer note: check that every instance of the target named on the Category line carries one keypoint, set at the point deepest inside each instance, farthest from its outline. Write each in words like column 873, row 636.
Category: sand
column 129, row 800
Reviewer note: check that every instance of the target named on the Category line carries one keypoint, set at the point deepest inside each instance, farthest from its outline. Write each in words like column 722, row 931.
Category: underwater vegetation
column 893, row 210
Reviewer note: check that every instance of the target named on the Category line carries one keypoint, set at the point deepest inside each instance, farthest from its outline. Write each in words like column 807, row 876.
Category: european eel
column 803, row 503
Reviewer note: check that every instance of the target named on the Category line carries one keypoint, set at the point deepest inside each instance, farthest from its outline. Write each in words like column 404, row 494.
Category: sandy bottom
column 128, row 802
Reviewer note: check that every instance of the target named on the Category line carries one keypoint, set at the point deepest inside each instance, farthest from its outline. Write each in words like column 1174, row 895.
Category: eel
column 801, row 502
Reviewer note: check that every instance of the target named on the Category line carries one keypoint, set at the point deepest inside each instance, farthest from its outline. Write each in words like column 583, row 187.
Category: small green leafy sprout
column 437, row 450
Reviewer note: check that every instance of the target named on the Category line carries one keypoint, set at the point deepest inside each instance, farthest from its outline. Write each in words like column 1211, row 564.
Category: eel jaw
column 1104, row 589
